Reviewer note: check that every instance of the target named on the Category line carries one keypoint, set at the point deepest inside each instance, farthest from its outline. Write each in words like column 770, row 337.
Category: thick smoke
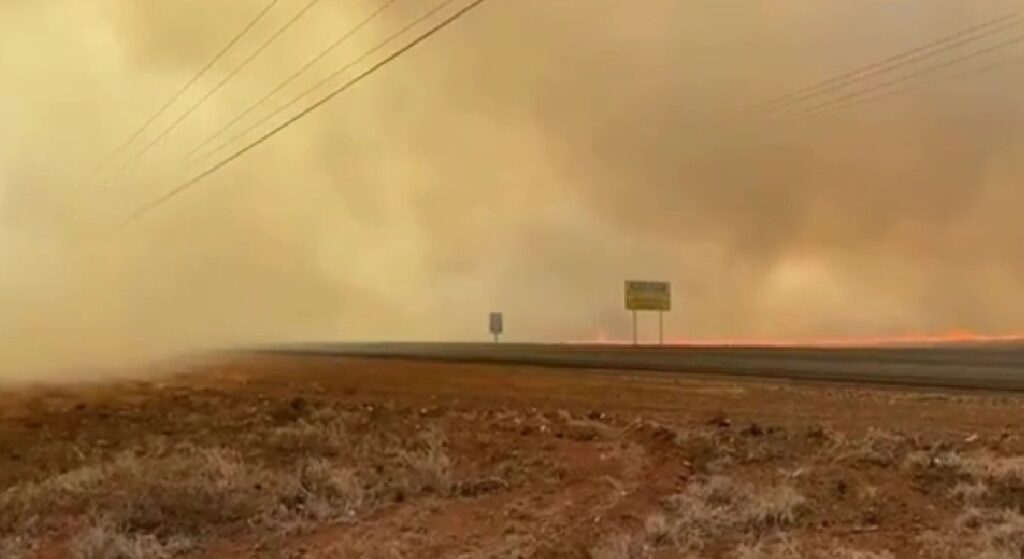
column 528, row 160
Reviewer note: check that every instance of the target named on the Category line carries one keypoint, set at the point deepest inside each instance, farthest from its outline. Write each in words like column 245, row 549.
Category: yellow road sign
column 648, row 296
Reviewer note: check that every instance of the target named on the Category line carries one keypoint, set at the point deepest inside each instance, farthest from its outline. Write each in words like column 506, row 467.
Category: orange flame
column 954, row 336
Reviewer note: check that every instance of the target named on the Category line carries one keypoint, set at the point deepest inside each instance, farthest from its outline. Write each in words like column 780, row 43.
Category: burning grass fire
column 956, row 336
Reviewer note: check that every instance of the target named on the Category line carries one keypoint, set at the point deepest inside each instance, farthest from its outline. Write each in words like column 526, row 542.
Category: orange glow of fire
column 955, row 336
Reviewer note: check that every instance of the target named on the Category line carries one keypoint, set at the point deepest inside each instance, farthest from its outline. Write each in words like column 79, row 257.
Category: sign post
column 497, row 325
column 649, row 296
column 661, row 327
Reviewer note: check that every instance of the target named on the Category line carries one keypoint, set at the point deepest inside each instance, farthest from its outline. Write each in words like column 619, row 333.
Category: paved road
column 998, row 366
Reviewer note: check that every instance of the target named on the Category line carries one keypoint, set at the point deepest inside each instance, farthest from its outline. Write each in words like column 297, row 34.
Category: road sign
column 497, row 324
column 648, row 296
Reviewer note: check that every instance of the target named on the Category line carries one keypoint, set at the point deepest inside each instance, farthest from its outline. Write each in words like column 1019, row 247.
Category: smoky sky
column 528, row 159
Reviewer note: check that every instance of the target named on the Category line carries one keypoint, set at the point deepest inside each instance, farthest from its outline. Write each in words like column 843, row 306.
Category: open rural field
column 267, row 456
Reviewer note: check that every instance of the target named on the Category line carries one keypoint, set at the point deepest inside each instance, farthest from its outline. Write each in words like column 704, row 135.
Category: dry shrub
column 324, row 438
column 426, row 467
column 516, row 545
column 971, row 518
column 774, row 507
column 105, row 540
column 586, row 429
column 16, row 547
column 846, row 553
column 657, row 529
column 372, row 550
column 979, row 534
column 983, row 477
column 946, row 460
column 26, row 505
column 783, row 549
column 984, row 466
column 708, row 450
column 28, row 501
column 633, row 458
column 868, row 493
column 1004, row 470
column 718, row 507
column 876, row 448
column 331, row 493
column 188, row 493
column 969, row 493
column 937, row 472
column 703, row 510
column 617, row 547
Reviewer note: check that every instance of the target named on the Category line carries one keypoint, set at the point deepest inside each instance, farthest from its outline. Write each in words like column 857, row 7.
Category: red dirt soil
column 545, row 462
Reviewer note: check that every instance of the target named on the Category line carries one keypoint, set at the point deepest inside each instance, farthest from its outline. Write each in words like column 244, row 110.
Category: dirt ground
column 315, row 457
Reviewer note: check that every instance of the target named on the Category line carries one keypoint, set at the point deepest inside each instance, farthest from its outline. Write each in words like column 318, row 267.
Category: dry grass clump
column 183, row 495
column 774, row 507
column 703, row 509
column 329, row 492
column 186, row 492
column 1003, row 478
column 718, row 507
column 16, row 547
column 969, row 493
column 657, row 529
column 585, row 429
column 983, row 466
column 709, row 450
column 783, row 549
column 132, row 487
column 876, row 448
column 979, row 534
column 981, row 478
column 1003, row 470
column 786, row 548
column 618, row 547
column 846, row 553
column 949, row 460
column 426, row 466
column 104, row 540
column 940, row 469
column 322, row 438
column 151, row 501
column 993, row 483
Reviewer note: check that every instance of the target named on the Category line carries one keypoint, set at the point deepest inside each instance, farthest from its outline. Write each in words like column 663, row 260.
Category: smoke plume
column 529, row 159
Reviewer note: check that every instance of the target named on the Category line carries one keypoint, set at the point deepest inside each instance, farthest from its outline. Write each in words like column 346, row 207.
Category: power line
column 224, row 81
column 895, row 62
column 298, row 73
column 188, row 85
column 306, row 111
column 971, row 71
column 341, row 71
column 856, row 95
